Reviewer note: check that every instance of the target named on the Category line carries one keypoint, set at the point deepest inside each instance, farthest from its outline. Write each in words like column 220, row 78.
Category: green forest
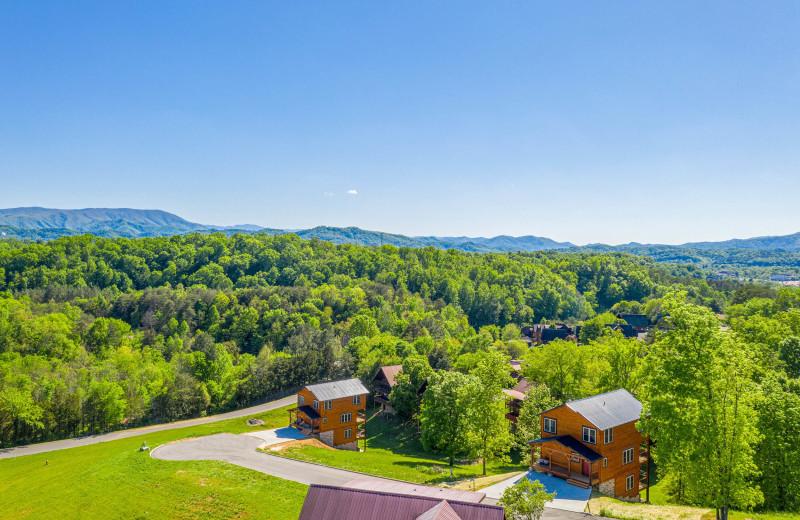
column 98, row 334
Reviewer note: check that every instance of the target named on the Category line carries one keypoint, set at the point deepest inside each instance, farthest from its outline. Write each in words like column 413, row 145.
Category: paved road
column 241, row 450
column 45, row 447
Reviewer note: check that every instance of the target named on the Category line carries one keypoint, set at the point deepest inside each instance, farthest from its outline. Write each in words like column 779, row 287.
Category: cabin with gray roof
column 333, row 412
column 594, row 442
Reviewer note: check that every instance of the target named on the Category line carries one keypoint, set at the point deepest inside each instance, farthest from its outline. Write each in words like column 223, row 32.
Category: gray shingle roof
column 337, row 389
column 608, row 410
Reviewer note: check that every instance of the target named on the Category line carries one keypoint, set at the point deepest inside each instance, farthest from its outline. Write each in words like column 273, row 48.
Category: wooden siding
column 626, row 436
column 330, row 420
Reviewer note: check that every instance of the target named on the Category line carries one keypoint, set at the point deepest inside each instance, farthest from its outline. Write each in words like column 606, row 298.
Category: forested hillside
column 95, row 332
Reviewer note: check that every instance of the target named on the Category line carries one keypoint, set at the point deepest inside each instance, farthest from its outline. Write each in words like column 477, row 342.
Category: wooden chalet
column 594, row 442
column 334, row 412
column 346, row 503
column 542, row 333
column 515, row 397
column 382, row 385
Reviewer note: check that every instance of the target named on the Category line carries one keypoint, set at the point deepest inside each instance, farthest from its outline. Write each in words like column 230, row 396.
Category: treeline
column 99, row 333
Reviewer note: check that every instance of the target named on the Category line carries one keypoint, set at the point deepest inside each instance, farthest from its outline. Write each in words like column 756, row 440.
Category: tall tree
column 700, row 409
column 447, row 415
column 488, row 403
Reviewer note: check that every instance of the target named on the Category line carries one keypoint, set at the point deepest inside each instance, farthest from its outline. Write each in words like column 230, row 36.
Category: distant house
column 594, row 441
column 639, row 322
column 343, row 503
column 781, row 278
column 382, row 384
column 541, row 333
column 516, row 369
column 516, row 396
column 332, row 412
column 627, row 330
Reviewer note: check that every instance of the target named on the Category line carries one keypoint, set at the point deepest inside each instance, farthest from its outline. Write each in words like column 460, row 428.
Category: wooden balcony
column 511, row 416
column 573, row 477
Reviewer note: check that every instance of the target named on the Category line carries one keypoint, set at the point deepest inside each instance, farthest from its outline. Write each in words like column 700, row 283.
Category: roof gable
column 388, row 374
column 608, row 410
column 337, row 389
column 441, row 511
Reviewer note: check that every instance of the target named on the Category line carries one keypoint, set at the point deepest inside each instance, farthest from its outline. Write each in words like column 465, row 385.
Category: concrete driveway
column 277, row 436
column 568, row 497
column 32, row 449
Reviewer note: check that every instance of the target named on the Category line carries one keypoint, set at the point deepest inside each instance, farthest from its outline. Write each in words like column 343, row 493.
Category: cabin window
column 324, row 420
column 589, row 435
column 300, row 400
column 346, row 417
column 627, row 456
column 549, row 425
column 629, row 482
column 316, row 404
column 356, row 399
column 348, row 433
column 327, row 405
column 605, row 462
column 608, row 436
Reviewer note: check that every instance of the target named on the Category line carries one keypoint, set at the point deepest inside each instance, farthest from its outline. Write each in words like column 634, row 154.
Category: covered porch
column 305, row 419
column 565, row 457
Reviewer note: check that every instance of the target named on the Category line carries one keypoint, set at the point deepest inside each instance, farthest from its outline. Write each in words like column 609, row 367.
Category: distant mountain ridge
column 36, row 223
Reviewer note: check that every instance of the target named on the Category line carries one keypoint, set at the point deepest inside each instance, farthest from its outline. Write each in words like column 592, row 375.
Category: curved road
column 241, row 450
column 32, row 449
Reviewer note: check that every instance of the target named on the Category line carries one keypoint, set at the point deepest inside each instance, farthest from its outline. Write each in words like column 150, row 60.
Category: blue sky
column 581, row 121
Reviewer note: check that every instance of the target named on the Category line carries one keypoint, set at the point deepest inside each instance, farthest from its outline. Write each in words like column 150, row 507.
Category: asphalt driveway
column 241, row 450
column 32, row 449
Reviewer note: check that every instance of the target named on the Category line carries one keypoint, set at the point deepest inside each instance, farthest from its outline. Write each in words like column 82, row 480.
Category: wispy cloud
column 329, row 194
column 352, row 192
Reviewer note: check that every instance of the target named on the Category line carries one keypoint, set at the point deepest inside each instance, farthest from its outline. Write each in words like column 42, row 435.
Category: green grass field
column 394, row 450
column 114, row 480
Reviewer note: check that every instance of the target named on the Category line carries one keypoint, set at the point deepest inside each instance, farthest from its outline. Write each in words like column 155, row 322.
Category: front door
column 587, row 468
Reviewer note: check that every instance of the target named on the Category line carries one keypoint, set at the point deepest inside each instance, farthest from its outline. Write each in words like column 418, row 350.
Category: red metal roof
column 389, row 372
column 338, row 503
column 407, row 488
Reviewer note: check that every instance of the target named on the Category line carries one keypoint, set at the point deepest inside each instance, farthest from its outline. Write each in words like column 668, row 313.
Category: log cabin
column 382, row 385
column 595, row 442
column 334, row 412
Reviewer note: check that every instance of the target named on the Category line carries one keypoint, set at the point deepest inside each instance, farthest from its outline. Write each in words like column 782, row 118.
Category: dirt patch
column 482, row 482
column 619, row 509
column 314, row 443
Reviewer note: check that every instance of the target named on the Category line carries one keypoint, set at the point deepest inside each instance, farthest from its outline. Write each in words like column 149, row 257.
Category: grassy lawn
column 394, row 450
column 662, row 508
column 114, row 480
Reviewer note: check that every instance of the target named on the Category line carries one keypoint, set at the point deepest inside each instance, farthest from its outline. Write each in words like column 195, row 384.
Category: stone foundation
column 349, row 446
column 607, row 487
column 326, row 437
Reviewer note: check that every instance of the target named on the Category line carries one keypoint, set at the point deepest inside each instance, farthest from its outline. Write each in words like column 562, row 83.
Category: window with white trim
column 300, row 400
column 356, row 399
column 627, row 456
column 608, row 436
column 324, row 420
column 316, row 404
column 348, row 433
column 589, row 435
column 630, row 481
column 549, row 425
column 605, row 462
column 346, row 417
column 327, row 405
